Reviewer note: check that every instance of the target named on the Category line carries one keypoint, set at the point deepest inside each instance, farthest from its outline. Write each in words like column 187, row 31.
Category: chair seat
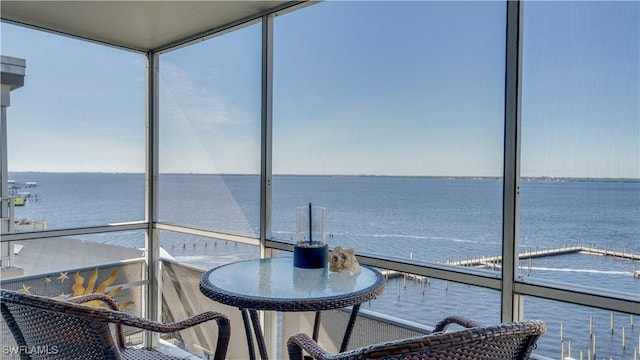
column 144, row 354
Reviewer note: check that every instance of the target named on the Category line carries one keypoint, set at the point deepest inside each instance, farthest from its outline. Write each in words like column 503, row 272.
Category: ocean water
column 427, row 219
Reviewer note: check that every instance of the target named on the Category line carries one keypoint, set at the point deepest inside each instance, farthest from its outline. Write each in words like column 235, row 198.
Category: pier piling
column 611, row 322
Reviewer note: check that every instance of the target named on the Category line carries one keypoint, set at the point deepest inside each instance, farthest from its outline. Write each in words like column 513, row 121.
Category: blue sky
column 377, row 88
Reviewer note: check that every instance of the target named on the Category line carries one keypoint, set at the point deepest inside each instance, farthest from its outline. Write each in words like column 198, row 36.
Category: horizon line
column 483, row 177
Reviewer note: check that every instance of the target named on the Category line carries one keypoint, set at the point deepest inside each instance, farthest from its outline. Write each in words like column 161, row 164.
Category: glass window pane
column 65, row 266
column 204, row 253
column 62, row 267
column 180, row 282
column 572, row 331
column 395, row 126
column 210, row 133
column 31, row 257
column 70, row 200
column 75, row 131
column 580, row 145
column 426, row 301
column 225, row 203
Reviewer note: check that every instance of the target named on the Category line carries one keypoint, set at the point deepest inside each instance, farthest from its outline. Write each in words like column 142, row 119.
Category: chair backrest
column 50, row 328
column 515, row 340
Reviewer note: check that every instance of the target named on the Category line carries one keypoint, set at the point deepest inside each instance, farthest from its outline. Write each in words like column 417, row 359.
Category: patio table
column 274, row 284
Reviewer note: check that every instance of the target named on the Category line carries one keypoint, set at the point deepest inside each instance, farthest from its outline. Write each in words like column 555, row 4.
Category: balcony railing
column 181, row 298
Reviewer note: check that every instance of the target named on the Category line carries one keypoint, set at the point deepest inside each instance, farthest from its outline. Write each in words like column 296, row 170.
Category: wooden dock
column 495, row 262
column 489, row 261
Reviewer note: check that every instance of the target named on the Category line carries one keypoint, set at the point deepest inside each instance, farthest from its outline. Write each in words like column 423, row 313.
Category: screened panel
column 75, row 133
column 209, row 147
column 395, row 127
column 580, row 194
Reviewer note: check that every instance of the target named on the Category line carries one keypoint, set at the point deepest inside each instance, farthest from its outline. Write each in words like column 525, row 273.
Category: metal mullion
column 463, row 275
column 266, row 132
column 511, row 176
column 268, row 320
column 152, row 243
column 583, row 297
column 435, row 271
column 26, row 236
column 211, row 234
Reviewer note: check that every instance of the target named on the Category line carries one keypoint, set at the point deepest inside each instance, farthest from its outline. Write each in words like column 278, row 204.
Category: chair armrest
column 146, row 324
column 120, row 318
column 108, row 300
column 300, row 342
column 224, row 326
column 460, row 320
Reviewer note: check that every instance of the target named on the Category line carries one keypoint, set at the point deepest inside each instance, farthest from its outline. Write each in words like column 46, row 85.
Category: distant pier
column 496, row 261
column 493, row 260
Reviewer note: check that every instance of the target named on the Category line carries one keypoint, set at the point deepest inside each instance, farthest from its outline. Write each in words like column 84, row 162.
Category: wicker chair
column 69, row 330
column 513, row 340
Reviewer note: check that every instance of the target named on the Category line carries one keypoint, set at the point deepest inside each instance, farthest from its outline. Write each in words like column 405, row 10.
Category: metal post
column 511, row 303
column 152, row 242
column 266, row 136
column 269, row 319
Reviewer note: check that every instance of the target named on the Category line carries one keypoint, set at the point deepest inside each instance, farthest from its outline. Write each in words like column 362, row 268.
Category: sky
column 360, row 88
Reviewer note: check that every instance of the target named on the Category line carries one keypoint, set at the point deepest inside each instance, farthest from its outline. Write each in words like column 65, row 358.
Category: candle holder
column 310, row 250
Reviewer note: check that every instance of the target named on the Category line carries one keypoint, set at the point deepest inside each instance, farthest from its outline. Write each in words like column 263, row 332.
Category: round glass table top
column 275, row 284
